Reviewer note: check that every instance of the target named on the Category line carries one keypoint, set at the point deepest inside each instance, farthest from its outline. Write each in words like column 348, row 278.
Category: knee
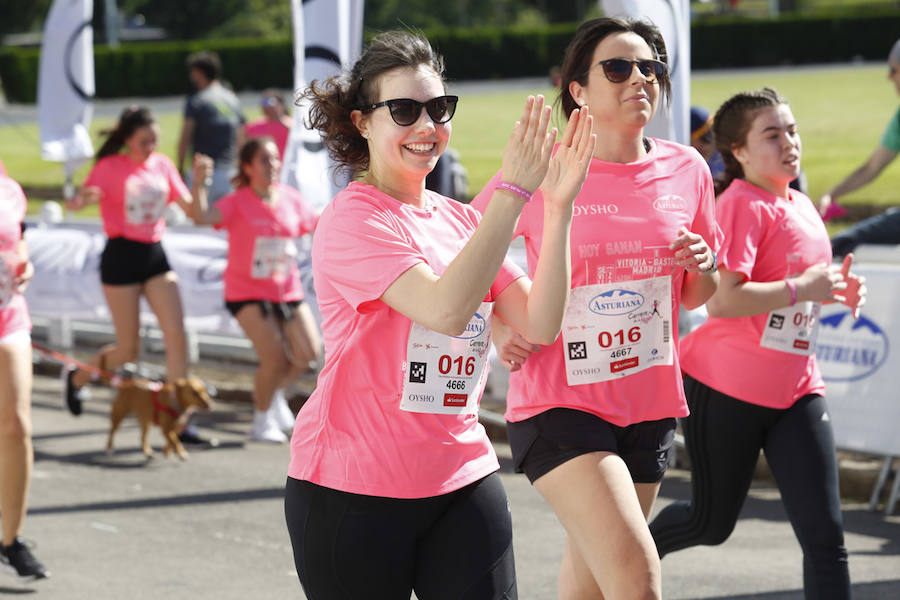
column 15, row 429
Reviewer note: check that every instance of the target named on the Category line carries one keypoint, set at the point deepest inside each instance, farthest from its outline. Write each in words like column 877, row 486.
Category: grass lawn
column 841, row 112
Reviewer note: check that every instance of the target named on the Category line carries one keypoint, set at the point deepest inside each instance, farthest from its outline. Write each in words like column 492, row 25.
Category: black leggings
column 454, row 546
column 723, row 437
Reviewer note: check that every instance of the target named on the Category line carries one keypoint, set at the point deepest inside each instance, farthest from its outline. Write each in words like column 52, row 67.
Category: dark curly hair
column 131, row 119
column 332, row 101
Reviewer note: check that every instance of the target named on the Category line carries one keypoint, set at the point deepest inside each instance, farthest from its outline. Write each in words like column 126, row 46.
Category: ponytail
column 131, row 119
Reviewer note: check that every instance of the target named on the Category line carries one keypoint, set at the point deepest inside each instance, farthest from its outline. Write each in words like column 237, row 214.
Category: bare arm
column 447, row 302
column 738, row 297
column 184, row 142
column 198, row 208
column 26, row 270
column 863, row 175
column 695, row 256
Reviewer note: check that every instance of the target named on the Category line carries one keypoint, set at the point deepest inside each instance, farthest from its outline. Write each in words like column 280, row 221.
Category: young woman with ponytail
column 751, row 378
column 133, row 188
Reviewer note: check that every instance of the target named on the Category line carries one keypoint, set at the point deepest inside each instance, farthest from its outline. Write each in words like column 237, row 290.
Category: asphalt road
column 120, row 527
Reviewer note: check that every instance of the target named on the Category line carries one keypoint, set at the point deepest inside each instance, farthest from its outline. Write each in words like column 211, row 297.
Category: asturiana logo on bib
column 670, row 204
column 473, row 329
column 849, row 349
column 616, row 302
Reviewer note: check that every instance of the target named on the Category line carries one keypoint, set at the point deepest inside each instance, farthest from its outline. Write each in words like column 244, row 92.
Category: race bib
column 445, row 374
column 145, row 199
column 612, row 330
column 793, row 329
column 272, row 257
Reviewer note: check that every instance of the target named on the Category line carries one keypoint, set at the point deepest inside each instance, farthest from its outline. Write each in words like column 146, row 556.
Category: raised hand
column 527, row 154
column 203, row 168
column 569, row 166
column 855, row 293
column 692, row 252
column 89, row 194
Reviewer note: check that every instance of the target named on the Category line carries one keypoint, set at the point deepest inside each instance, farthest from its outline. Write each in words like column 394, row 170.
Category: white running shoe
column 265, row 429
column 281, row 412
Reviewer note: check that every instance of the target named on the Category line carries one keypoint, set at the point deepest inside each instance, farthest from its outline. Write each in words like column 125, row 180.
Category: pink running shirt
column 767, row 238
column 263, row 127
column 624, row 220
column 13, row 309
column 352, row 434
column 257, row 231
column 136, row 194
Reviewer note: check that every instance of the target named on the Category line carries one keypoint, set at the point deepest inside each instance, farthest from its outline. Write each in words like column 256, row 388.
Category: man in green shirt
column 883, row 228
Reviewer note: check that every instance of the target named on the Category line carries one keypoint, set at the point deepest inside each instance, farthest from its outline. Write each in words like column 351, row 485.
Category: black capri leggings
column 456, row 546
column 724, row 436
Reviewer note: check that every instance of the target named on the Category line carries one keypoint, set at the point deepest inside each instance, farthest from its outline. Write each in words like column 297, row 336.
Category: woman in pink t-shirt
column 262, row 281
column 16, row 453
column 133, row 189
column 751, row 376
column 591, row 417
column 392, row 484
column 274, row 123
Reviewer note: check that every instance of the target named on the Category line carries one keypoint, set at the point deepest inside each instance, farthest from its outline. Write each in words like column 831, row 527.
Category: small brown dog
column 153, row 402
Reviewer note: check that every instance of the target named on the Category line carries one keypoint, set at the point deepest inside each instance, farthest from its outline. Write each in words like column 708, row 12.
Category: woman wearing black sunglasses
column 591, row 417
column 392, row 485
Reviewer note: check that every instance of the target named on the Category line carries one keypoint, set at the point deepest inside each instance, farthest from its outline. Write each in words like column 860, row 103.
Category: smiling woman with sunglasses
column 591, row 417
column 392, row 485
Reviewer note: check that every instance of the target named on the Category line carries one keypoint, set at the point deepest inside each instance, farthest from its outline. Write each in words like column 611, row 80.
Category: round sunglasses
column 618, row 70
column 406, row 111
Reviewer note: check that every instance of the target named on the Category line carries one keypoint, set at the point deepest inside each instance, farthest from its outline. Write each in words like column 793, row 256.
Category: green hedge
column 157, row 69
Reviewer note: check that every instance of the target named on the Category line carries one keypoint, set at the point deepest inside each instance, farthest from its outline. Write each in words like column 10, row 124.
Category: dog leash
column 70, row 361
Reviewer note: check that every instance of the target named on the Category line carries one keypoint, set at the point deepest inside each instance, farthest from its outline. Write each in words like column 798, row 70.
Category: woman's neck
column 409, row 191
column 265, row 192
column 776, row 188
column 620, row 146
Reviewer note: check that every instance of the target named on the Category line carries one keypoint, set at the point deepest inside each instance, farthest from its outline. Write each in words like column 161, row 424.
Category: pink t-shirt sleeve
column 363, row 253
column 744, row 224
column 705, row 220
column 226, row 206
column 177, row 188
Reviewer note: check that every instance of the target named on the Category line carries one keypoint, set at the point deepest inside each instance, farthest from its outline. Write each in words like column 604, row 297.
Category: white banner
column 859, row 361
column 327, row 38
column 67, row 275
column 66, row 83
column 672, row 17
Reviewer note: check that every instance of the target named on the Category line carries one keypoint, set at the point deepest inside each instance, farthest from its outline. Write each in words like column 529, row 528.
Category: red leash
column 114, row 380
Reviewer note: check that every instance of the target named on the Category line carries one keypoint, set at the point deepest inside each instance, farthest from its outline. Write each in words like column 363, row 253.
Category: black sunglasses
column 406, row 111
column 618, row 70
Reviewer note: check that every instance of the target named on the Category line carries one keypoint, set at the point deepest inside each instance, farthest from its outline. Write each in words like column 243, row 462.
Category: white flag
column 327, row 39
column 672, row 17
column 66, row 83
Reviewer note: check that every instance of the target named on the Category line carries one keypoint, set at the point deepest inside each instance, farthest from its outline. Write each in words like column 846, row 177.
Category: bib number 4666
column 458, row 365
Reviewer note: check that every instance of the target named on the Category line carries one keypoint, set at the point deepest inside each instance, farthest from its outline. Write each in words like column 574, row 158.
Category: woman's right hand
column 89, row 194
column 512, row 349
column 527, row 154
column 569, row 166
column 203, row 168
column 821, row 283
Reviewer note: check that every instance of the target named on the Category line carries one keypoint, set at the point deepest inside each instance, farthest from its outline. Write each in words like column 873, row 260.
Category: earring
column 365, row 134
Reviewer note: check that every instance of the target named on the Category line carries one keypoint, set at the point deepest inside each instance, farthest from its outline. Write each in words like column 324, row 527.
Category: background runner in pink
column 14, row 313
column 262, row 281
column 135, row 194
column 767, row 238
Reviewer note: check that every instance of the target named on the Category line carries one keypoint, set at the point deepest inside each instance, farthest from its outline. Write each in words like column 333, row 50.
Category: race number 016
column 803, row 320
column 607, row 338
column 446, row 364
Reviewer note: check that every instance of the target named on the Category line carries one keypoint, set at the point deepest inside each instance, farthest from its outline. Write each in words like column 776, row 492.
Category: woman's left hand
column 23, row 276
column 569, row 166
column 854, row 296
column 692, row 252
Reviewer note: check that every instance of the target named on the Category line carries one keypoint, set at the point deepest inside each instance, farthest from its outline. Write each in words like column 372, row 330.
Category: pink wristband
column 792, row 288
column 511, row 187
